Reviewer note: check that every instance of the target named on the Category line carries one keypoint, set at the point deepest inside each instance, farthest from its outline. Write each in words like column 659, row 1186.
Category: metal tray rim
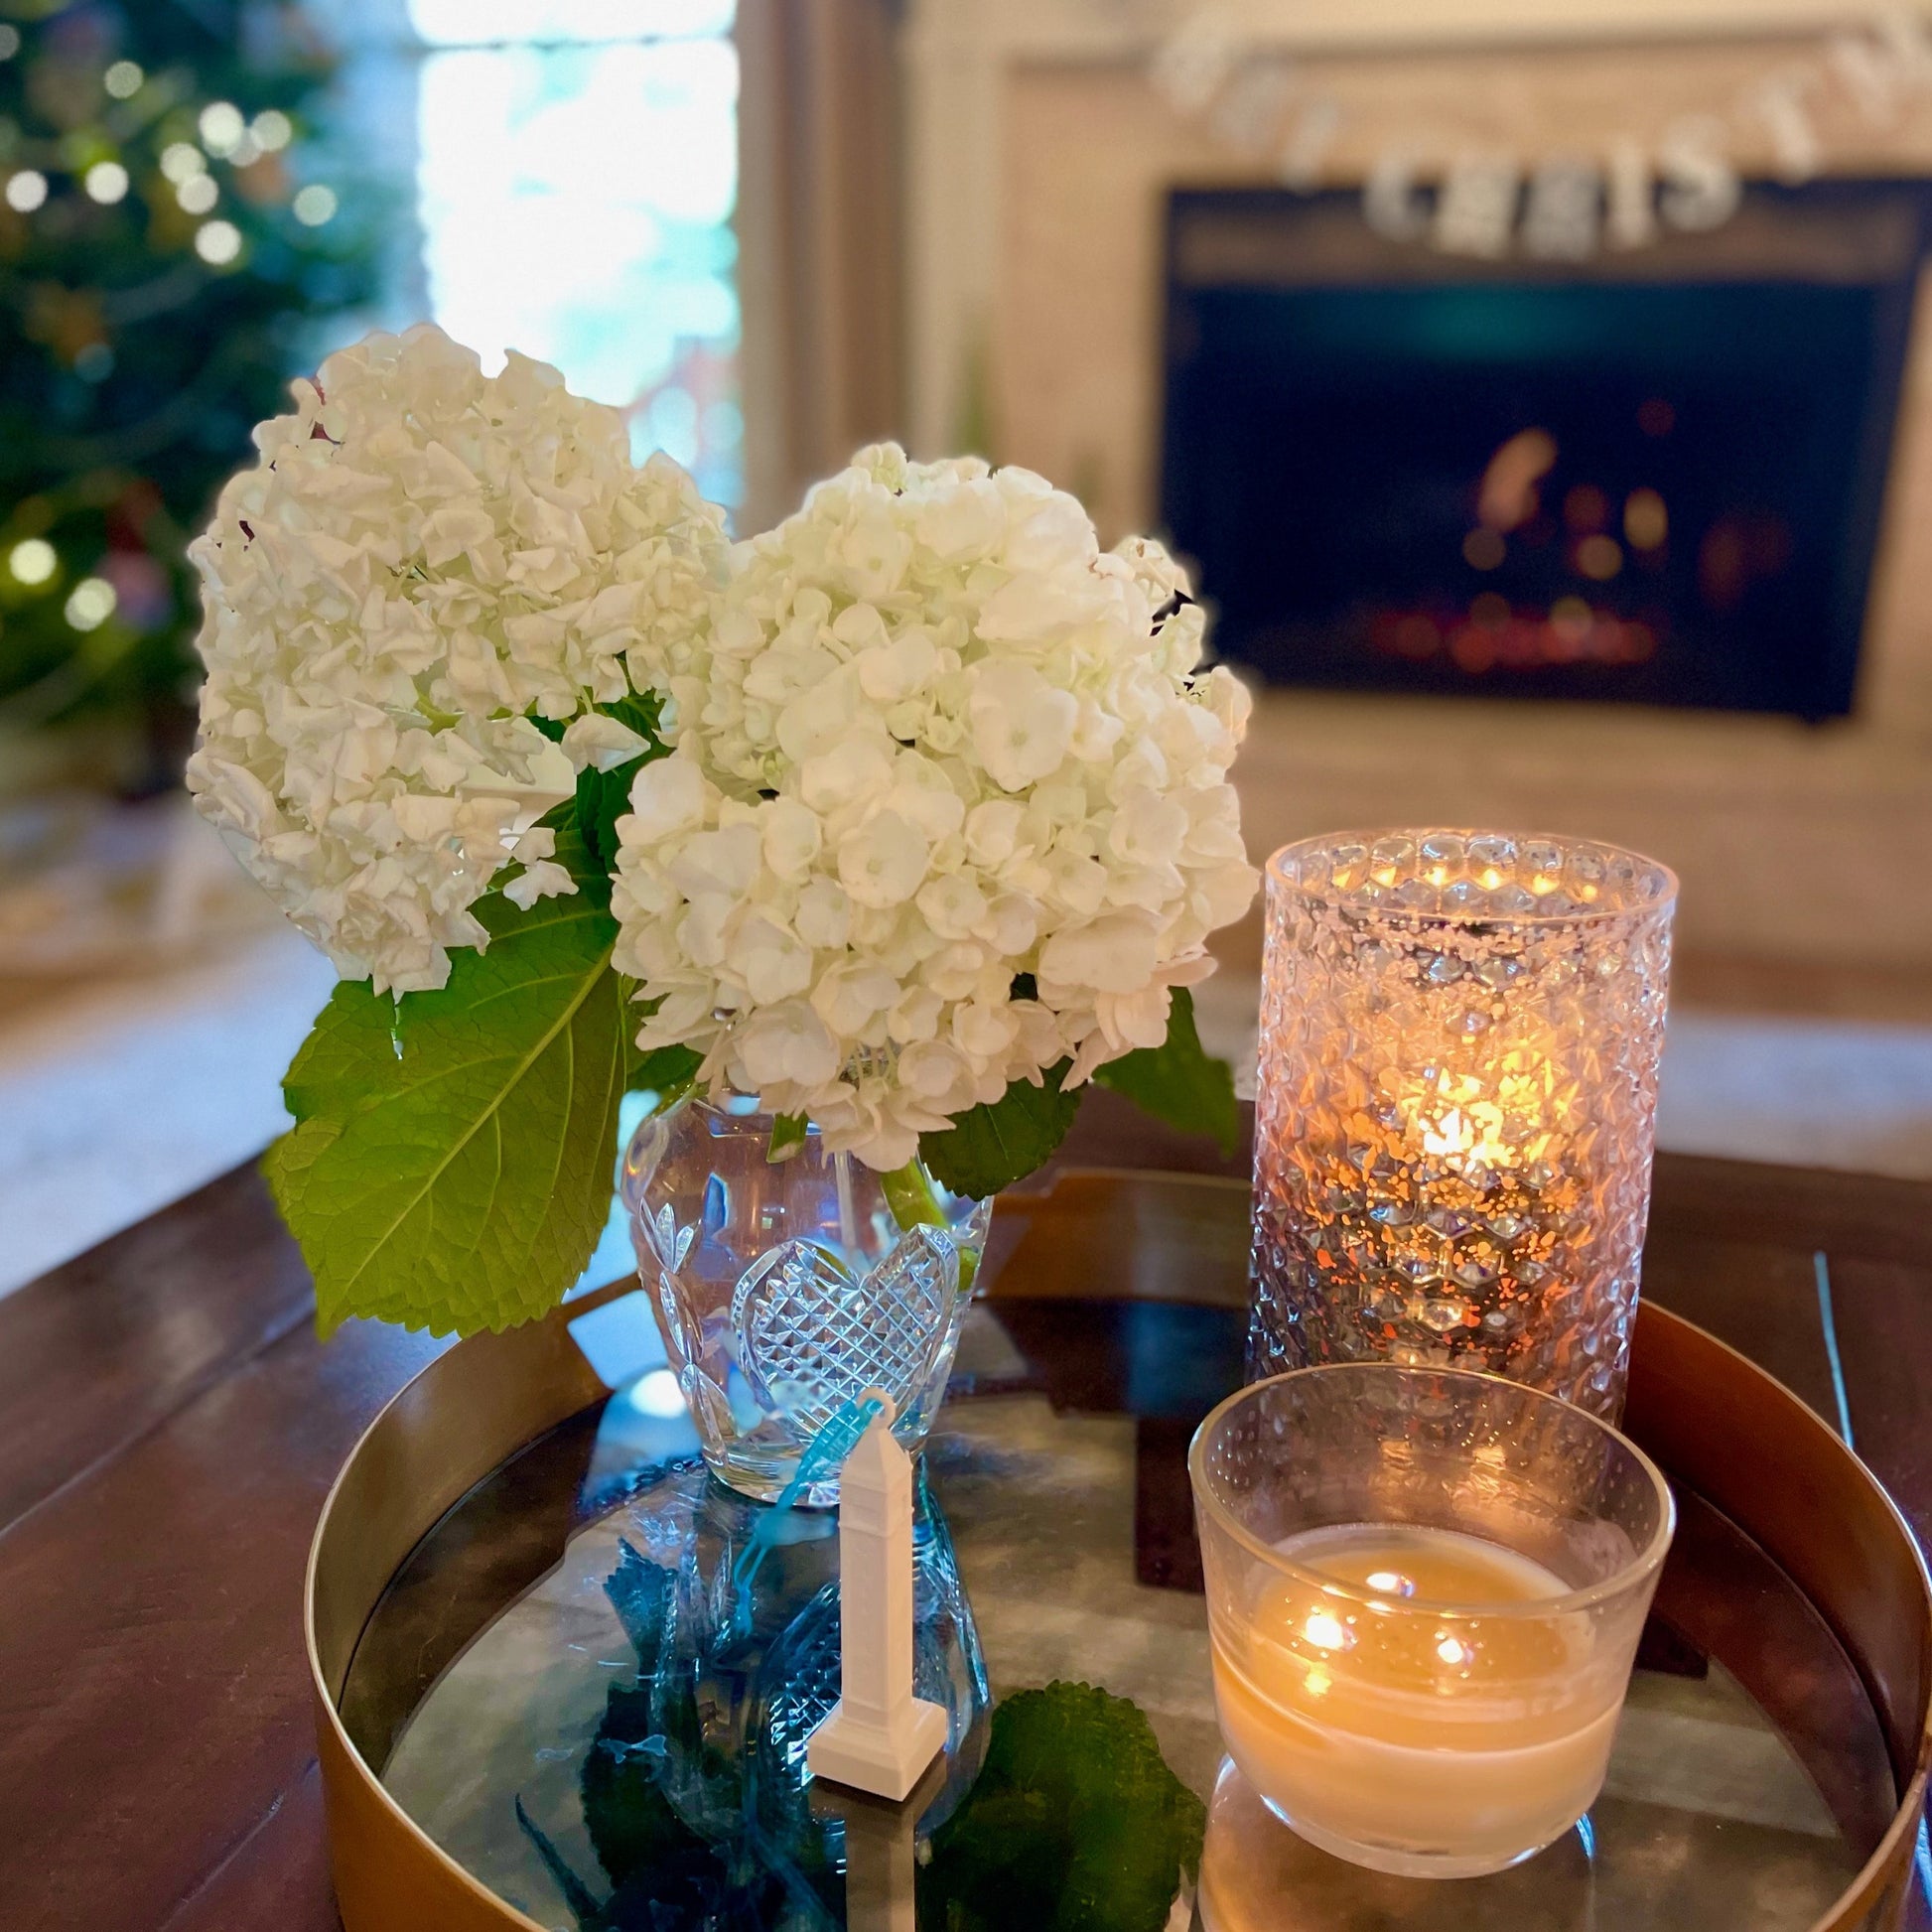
column 484, row 1399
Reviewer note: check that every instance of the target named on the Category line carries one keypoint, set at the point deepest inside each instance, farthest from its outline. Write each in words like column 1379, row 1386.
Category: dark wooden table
column 168, row 1425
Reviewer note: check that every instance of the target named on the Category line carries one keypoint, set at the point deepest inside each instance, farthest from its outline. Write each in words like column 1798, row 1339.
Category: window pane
column 482, row 23
column 577, row 205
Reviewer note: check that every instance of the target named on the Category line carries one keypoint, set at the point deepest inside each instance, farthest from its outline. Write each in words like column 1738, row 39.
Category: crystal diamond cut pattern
column 812, row 1333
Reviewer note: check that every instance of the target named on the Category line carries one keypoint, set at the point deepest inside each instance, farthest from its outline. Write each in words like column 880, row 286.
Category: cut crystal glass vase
column 784, row 1288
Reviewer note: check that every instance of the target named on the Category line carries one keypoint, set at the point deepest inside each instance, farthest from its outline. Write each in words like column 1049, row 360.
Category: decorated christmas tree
column 163, row 260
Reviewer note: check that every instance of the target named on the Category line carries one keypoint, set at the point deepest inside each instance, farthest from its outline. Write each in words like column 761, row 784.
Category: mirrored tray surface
column 560, row 1689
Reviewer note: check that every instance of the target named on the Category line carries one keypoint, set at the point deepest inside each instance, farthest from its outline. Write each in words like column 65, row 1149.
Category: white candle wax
column 1410, row 1740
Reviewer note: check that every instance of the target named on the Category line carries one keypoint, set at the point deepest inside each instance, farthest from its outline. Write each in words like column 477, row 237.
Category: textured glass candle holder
column 1455, row 1104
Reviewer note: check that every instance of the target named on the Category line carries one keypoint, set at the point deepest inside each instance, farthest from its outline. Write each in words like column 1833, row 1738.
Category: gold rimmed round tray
column 508, row 1592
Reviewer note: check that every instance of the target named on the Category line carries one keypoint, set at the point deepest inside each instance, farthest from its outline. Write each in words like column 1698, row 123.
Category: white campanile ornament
column 879, row 1736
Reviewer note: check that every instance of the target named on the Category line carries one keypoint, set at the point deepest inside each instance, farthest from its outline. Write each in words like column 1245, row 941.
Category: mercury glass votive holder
column 1456, row 1102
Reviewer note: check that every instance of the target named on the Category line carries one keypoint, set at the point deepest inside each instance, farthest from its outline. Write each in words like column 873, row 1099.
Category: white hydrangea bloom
column 422, row 556
column 936, row 738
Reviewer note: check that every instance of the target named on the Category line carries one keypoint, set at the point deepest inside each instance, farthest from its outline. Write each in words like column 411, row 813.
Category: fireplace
column 1651, row 478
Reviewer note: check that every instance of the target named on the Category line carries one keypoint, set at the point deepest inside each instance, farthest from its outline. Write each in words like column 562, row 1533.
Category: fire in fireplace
column 1653, row 477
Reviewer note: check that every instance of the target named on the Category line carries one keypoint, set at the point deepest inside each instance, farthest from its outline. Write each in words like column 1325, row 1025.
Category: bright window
column 576, row 175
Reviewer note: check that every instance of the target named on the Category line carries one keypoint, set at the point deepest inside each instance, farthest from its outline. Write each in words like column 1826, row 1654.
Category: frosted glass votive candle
column 1424, row 1593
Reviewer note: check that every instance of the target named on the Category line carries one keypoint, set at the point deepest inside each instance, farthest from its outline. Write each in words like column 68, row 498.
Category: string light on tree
column 106, row 182
column 221, row 126
column 90, row 604
column 315, row 204
column 182, row 161
column 32, row 561
column 218, row 243
column 109, row 113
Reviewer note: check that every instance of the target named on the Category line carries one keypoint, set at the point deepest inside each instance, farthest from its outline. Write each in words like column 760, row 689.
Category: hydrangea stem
column 914, row 1201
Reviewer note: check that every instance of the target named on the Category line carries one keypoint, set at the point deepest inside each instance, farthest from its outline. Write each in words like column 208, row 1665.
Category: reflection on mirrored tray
column 568, row 1691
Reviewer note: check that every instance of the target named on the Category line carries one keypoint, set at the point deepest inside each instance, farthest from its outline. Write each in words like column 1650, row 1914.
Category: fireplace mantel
column 962, row 58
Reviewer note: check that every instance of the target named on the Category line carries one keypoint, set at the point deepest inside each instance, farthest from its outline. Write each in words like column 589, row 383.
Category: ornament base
column 886, row 1759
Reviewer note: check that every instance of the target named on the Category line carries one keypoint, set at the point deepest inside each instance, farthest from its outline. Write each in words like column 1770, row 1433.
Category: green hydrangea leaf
column 1178, row 1081
column 789, row 1133
column 449, row 1165
column 641, row 710
column 1074, row 1824
column 670, row 1072
column 990, row 1146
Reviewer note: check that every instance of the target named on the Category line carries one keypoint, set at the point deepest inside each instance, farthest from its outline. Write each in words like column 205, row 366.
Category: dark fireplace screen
column 1652, row 477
